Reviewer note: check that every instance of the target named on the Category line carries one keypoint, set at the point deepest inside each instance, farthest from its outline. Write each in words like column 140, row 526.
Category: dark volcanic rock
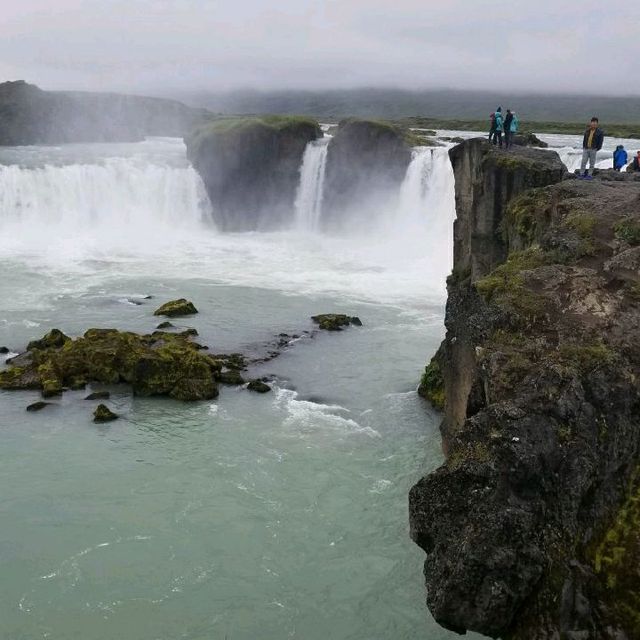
column 529, row 140
column 176, row 308
column 53, row 340
column 165, row 325
column 38, row 406
column 231, row 376
column 104, row 414
column 259, row 386
column 29, row 115
column 4, row 350
column 250, row 167
column 532, row 525
column 366, row 163
column 98, row 395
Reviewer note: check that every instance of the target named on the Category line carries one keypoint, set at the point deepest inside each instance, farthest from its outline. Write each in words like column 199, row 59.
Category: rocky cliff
column 531, row 527
column 367, row 161
column 29, row 115
column 251, row 167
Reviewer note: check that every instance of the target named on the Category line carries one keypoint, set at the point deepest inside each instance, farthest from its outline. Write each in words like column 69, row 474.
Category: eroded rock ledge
column 531, row 527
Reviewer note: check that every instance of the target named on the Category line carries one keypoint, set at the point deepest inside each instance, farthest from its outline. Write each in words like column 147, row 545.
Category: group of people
column 508, row 124
column 591, row 142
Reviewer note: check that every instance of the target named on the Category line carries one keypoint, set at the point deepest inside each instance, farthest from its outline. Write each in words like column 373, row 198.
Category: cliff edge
column 531, row 527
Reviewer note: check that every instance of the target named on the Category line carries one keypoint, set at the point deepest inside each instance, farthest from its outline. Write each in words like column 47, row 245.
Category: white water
column 311, row 189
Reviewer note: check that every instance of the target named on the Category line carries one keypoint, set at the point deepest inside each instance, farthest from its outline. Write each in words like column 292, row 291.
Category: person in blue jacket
column 499, row 123
column 620, row 158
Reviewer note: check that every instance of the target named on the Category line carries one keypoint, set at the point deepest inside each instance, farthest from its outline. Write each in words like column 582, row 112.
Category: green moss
column 335, row 321
column 176, row 308
column 628, row 230
column 505, row 286
column 52, row 340
column 522, row 216
column 477, row 452
column 49, row 380
column 586, row 357
column 584, row 225
column 616, row 559
column 103, row 414
column 431, row 386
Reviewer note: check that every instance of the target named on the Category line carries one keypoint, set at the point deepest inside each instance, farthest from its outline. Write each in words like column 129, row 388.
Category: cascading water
column 308, row 206
column 427, row 208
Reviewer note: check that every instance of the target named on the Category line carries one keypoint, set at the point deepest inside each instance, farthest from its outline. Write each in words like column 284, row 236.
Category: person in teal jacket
column 499, row 124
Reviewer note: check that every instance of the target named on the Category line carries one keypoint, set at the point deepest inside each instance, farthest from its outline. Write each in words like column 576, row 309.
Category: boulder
column 98, row 395
column 38, row 406
column 231, row 377
column 258, row 386
column 529, row 139
column 335, row 321
column 176, row 308
column 165, row 325
column 55, row 339
column 104, row 414
column 251, row 167
column 4, row 350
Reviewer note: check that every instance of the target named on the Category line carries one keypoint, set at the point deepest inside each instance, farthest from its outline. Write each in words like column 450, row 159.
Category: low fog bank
column 399, row 103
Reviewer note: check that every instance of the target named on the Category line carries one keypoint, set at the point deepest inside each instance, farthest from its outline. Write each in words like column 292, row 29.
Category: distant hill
column 29, row 115
column 395, row 104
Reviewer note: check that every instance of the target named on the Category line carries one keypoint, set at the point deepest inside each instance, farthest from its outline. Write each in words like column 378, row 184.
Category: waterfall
column 308, row 205
column 427, row 208
column 119, row 199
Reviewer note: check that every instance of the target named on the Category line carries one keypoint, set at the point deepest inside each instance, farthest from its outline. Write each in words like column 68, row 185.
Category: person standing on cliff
column 497, row 137
column 591, row 144
column 636, row 163
column 492, row 126
column 510, row 128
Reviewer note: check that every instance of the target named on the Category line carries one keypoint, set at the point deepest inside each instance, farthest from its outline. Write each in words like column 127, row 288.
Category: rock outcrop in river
column 251, row 167
column 532, row 525
column 29, row 115
column 367, row 161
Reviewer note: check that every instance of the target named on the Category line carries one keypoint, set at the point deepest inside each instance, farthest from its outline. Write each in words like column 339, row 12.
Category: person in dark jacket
column 620, row 158
column 508, row 119
column 499, row 121
column 636, row 162
column 492, row 126
column 591, row 144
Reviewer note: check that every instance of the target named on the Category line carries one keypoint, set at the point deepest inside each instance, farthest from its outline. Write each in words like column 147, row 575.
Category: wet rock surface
column 531, row 525
column 104, row 414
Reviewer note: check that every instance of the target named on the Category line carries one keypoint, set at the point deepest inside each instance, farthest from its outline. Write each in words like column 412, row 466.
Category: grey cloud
column 146, row 45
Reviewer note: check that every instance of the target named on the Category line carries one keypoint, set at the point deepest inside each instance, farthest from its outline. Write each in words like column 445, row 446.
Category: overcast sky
column 149, row 45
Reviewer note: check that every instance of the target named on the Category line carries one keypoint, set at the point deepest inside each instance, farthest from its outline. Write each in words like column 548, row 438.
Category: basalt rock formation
column 29, row 115
column 532, row 525
column 251, row 167
column 366, row 163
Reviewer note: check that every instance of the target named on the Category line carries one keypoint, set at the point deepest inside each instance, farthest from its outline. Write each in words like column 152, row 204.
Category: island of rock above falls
column 531, row 527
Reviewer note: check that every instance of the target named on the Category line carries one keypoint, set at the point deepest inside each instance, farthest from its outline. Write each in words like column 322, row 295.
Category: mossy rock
column 176, row 308
column 628, row 230
column 431, row 386
column 165, row 325
column 104, row 414
column 258, row 386
column 158, row 364
column 231, row 377
column 55, row 339
column 335, row 321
